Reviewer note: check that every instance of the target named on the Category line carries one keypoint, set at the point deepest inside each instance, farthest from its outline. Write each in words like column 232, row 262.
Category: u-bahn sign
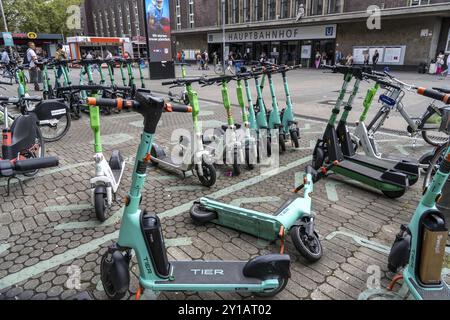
column 277, row 34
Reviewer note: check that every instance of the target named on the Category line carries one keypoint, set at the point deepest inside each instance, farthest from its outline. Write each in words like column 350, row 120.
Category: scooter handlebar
column 169, row 107
column 7, row 168
column 118, row 103
column 434, row 95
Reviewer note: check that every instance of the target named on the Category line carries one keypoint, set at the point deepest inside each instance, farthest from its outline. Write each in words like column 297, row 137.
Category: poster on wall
column 358, row 55
column 306, row 52
column 158, row 29
column 393, row 55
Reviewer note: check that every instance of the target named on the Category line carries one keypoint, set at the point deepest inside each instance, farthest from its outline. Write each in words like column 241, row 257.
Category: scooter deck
column 207, row 272
column 372, row 177
column 408, row 168
column 438, row 293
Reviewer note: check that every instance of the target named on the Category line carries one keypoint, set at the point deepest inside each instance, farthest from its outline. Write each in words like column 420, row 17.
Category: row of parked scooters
column 268, row 275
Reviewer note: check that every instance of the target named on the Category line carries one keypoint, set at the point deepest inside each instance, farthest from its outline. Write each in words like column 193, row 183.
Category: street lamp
column 3, row 16
column 223, row 34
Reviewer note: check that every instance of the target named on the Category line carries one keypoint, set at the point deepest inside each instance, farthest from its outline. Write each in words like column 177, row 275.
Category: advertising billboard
column 158, row 30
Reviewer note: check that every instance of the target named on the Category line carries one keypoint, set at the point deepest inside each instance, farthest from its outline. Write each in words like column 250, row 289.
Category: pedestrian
column 199, row 60
column 5, row 57
column 338, row 57
column 440, row 63
column 178, row 56
column 203, row 61
column 206, row 58
column 366, row 57
column 375, row 59
column 318, row 59
column 349, row 60
column 60, row 56
column 448, row 66
column 32, row 58
column 183, row 56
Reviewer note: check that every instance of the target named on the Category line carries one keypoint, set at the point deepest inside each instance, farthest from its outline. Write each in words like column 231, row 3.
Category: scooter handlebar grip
column 177, row 108
column 434, row 95
column 118, row 103
column 35, row 164
column 169, row 83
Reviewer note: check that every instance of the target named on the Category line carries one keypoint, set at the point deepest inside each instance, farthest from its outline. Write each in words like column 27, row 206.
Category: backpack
column 25, row 58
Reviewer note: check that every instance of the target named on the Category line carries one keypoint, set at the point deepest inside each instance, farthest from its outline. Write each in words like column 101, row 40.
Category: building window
column 271, row 9
column 235, row 10
column 419, row 2
column 191, row 14
column 316, row 8
column 299, row 9
column 178, row 14
column 284, row 12
column 246, row 10
column 258, row 5
column 128, row 19
column 335, row 6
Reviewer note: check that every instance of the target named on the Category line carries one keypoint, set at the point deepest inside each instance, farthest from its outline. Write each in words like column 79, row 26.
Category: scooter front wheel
column 282, row 143
column 100, row 206
column 394, row 194
column 282, row 283
column 201, row 215
column 115, row 275
column 309, row 247
column 209, row 177
column 295, row 139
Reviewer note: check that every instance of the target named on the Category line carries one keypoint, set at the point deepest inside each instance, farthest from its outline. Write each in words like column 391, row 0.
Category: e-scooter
column 141, row 232
column 225, row 146
column 419, row 248
column 329, row 149
column 294, row 217
column 108, row 174
column 183, row 96
column 198, row 160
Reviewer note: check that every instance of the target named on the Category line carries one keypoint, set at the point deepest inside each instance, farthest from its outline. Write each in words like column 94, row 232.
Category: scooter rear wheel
column 309, row 247
column 282, row 143
column 394, row 194
column 282, row 283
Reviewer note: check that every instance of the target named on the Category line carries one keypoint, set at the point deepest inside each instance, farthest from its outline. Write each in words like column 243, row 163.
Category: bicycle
column 427, row 125
column 218, row 69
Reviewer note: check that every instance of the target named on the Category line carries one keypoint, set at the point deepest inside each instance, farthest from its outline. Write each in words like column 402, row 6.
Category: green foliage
column 40, row 16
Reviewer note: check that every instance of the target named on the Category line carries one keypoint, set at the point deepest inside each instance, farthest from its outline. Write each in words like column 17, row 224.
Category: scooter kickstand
column 8, row 187
column 139, row 293
column 282, row 239
column 396, row 279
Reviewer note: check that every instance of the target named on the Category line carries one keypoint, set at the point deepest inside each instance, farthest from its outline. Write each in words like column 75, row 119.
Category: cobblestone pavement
column 50, row 239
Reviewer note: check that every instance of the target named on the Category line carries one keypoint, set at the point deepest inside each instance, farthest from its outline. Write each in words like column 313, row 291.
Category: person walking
column 5, row 57
column 60, row 55
column 440, row 63
column 183, row 56
column 206, row 58
column 349, row 60
column 32, row 58
column 339, row 56
column 375, row 59
column 318, row 59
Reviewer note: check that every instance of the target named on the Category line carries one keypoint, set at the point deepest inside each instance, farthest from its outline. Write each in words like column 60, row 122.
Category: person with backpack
column 31, row 59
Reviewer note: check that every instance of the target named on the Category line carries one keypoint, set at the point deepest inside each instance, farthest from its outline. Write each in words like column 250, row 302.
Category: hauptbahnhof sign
column 278, row 34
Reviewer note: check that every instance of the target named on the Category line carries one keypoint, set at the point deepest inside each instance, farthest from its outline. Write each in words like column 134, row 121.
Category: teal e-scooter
column 141, row 232
column 419, row 248
column 294, row 217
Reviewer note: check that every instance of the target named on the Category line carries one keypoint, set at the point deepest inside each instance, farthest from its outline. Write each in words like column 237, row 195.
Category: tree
column 40, row 16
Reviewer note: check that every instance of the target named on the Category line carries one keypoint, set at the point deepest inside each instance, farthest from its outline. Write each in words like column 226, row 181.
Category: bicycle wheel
column 430, row 129
column 37, row 151
column 57, row 128
column 434, row 164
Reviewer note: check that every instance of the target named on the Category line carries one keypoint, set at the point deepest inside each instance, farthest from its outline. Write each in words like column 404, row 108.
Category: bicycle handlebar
column 121, row 103
column 434, row 95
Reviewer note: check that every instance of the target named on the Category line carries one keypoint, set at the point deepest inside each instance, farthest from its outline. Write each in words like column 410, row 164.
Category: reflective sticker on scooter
column 58, row 112
column 387, row 100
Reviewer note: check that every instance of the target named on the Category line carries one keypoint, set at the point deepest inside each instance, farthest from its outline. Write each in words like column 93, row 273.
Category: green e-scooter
column 294, row 217
column 329, row 149
column 141, row 232
column 419, row 248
